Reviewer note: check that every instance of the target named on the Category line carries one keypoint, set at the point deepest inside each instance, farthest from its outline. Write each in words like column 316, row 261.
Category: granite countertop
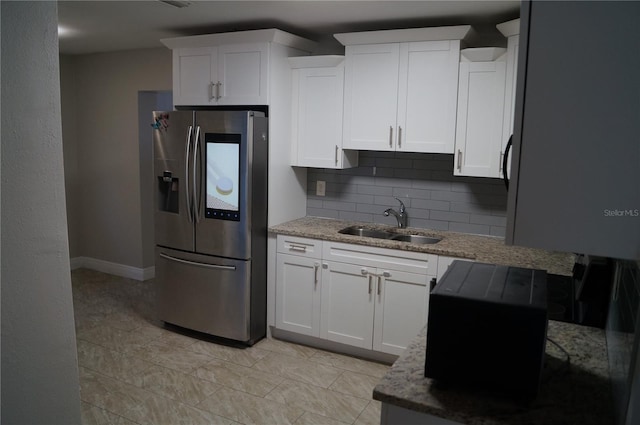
column 484, row 249
column 577, row 395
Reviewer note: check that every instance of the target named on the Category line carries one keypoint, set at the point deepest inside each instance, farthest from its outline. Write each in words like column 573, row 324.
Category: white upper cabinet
column 401, row 89
column 228, row 68
column 511, row 30
column 316, row 125
column 427, row 96
column 486, row 105
column 242, row 74
column 479, row 127
column 234, row 74
column 193, row 73
column 371, row 97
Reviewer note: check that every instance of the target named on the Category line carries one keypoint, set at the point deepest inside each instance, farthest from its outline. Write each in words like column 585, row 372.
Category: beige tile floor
column 133, row 371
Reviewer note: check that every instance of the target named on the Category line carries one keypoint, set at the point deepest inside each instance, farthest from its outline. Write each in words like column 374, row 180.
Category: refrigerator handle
column 196, row 198
column 186, row 172
column 194, row 263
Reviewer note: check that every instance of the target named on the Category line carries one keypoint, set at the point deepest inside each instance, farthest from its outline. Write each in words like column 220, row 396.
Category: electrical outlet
column 321, row 187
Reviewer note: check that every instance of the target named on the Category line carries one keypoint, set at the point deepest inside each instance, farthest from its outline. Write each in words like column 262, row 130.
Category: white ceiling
column 100, row 26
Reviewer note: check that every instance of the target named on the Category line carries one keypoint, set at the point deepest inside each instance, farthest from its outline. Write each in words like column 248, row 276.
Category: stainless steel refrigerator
column 211, row 221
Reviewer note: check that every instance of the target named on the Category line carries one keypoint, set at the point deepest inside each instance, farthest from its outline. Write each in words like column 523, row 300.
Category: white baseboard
column 116, row 269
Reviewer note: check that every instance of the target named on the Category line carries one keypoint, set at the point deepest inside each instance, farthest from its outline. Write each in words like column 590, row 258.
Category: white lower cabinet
column 298, row 294
column 372, row 308
column 367, row 297
column 378, row 308
column 402, row 300
column 347, row 304
column 298, row 285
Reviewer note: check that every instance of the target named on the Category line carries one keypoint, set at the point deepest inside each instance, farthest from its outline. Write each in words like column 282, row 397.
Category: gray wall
column 434, row 198
column 68, row 98
column 39, row 362
column 102, row 149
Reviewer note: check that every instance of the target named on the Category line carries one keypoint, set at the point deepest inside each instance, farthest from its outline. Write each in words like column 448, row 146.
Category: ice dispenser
column 169, row 192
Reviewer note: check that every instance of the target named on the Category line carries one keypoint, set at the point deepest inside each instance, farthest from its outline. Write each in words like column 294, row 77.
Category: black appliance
column 487, row 328
column 583, row 297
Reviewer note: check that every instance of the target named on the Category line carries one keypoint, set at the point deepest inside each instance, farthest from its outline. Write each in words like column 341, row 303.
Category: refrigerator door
column 224, row 154
column 173, row 135
column 203, row 293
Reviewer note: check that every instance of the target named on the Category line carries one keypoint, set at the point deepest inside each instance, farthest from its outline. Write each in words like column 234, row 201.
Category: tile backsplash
column 433, row 196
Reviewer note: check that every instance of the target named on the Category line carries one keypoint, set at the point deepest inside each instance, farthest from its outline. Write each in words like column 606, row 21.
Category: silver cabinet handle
column 195, row 263
column 336, row 154
column 390, row 136
column 218, row 90
column 299, row 248
column 316, row 266
column 399, row 136
column 212, row 94
column 384, row 274
column 500, row 162
column 459, row 160
column 186, row 172
column 196, row 198
column 365, row 272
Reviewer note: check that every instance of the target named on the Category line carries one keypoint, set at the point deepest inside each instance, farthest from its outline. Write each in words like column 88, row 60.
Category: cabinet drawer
column 303, row 247
column 392, row 259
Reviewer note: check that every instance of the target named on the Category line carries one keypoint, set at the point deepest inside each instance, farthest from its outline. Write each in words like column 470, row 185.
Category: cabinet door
column 317, row 120
column 347, row 304
column 427, row 97
column 480, row 114
column 371, row 97
column 513, row 44
column 510, row 88
column 401, row 305
column 193, row 75
column 298, row 294
column 242, row 74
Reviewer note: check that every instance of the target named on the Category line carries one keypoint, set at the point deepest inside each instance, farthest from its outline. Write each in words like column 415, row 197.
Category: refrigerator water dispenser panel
column 223, row 185
column 168, row 192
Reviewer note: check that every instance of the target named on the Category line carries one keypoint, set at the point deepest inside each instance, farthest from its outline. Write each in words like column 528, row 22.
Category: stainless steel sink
column 384, row 234
column 416, row 239
column 369, row 233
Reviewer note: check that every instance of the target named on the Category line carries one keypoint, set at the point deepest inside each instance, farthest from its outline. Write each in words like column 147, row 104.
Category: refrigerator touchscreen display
column 223, row 176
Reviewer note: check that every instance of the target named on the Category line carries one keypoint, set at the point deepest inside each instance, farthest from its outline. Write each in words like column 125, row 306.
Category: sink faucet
column 401, row 217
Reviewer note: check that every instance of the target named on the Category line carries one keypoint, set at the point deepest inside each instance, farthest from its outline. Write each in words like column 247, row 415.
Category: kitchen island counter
column 570, row 393
column 484, row 249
